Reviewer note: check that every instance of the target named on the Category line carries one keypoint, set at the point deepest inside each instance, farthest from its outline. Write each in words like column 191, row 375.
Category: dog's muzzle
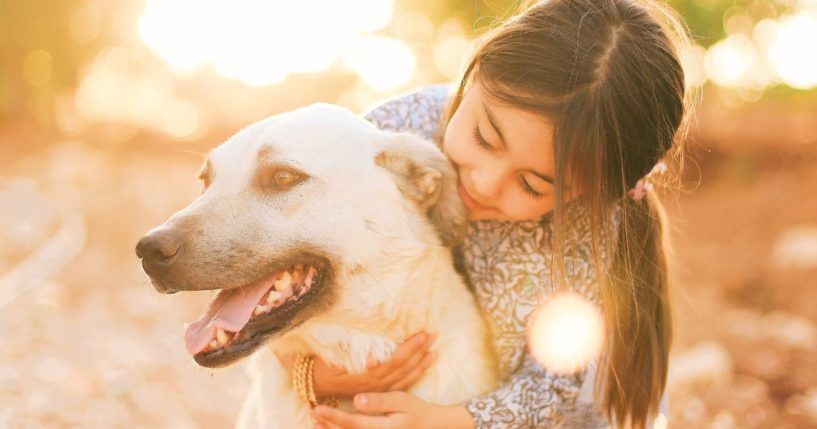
column 158, row 250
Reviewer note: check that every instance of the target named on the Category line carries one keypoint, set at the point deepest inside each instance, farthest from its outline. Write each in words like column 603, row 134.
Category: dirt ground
column 95, row 346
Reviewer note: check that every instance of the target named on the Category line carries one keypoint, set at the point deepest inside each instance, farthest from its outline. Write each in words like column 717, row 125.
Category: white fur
column 393, row 275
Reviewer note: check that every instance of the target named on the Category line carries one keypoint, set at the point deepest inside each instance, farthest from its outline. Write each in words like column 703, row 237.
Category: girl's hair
column 607, row 72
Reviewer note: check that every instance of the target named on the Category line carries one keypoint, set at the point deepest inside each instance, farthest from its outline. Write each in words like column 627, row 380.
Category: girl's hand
column 406, row 366
column 400, row 410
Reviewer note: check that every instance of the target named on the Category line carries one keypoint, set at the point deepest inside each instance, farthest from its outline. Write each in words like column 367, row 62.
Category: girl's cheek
column 453, row 151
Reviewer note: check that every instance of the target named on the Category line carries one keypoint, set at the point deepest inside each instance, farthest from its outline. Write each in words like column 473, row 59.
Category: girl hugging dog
column 561, row 116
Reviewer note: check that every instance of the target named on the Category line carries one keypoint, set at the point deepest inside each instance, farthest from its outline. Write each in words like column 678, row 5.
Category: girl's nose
column 487, row 183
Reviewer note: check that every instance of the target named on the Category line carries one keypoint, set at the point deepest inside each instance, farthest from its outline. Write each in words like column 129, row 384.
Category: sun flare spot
column 566, row 333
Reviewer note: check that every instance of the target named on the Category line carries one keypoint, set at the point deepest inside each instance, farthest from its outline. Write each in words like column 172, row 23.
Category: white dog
column 325, row 236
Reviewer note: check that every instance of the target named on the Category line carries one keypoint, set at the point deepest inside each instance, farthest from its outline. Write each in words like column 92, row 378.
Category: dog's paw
column 348, row 348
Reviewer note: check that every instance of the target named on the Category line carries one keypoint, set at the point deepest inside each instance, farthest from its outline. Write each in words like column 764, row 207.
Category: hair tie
column 643, row 185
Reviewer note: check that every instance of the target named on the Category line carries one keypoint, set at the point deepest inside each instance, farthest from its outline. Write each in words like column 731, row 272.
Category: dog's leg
column 272, row 402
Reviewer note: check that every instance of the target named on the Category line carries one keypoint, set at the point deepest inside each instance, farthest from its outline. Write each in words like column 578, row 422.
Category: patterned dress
column 508, row 266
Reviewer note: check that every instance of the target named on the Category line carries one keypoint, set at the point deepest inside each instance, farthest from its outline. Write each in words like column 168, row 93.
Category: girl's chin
column 485, row 215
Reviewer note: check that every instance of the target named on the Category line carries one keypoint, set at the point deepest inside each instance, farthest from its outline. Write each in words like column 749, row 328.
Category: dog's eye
column 284, row 177
column 279, row 178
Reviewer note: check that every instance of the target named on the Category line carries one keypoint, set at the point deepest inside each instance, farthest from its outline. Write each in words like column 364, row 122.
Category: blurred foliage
column 28, row 26
column 706, row 19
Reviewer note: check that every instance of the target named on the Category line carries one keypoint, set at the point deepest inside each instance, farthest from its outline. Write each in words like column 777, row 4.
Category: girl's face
column 504, row 158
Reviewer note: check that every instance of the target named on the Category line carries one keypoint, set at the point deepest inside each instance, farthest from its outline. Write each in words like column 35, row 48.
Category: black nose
column 159, row 246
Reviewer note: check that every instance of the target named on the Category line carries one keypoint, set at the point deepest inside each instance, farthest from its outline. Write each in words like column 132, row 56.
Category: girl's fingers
column 399, row 373
column 415, row 374
column 403, row 353
column 329, row 425
column 384, row 403
column 338, row 419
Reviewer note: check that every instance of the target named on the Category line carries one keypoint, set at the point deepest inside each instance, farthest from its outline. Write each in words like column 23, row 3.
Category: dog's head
column 291, row 205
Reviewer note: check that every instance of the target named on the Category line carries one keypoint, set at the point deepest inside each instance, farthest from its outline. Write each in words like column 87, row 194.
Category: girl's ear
column 424, row 176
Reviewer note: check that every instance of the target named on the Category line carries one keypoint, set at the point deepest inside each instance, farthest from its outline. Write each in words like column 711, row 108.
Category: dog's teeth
column 284, row 283
column 296, row 277
column 274, row 296
column 260, row 309
column 222, row 336
column 213, row 344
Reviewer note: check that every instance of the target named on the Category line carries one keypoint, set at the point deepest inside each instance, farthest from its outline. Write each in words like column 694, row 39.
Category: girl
column 561, row 114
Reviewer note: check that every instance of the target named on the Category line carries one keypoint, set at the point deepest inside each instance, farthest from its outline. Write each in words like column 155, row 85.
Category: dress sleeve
column 418, row 112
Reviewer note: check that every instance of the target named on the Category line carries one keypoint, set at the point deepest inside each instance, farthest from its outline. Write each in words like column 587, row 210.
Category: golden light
column 791, row 49
column 382, row 62
column 151, row 99
column 566, row 333
column 258, row 42
column 732, row 61
column 85, row 24
column 413, row 28
column 451, row 48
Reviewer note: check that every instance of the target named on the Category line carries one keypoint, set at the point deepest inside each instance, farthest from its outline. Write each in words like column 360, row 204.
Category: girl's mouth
column 469, row 201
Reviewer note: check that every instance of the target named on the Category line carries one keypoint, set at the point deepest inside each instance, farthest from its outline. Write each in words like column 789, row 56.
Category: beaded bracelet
column 303, row 378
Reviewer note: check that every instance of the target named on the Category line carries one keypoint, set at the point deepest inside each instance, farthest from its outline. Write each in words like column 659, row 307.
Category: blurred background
column 107, row 110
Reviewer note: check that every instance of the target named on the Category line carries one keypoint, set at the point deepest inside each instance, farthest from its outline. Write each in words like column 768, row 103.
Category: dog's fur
column 380, row 209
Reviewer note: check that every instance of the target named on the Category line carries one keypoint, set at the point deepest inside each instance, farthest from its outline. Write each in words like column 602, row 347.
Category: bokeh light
column 262, row 42
column 732, row 61
column 383, row 63
column 792, row 50
column 755, row 56
column 566, row 333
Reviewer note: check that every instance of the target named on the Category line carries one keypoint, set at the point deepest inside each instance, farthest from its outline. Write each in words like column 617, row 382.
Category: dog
column 327, row 236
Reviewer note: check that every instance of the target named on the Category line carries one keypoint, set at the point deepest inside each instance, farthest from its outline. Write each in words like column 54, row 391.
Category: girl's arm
column 532, row 398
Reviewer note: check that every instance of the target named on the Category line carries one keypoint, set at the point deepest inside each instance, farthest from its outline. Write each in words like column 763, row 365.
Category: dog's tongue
column 231, row 310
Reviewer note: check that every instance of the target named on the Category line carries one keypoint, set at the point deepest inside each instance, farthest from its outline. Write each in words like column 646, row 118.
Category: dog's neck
column 404, row 294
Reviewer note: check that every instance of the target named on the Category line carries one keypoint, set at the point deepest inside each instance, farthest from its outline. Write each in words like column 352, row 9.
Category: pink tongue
column 231, row 310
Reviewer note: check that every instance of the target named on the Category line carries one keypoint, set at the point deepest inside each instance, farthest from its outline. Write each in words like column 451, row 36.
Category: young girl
column 560, row 116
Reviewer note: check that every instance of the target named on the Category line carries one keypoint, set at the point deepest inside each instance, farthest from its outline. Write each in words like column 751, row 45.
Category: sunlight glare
column 258, row 42
column 566, row 333
column 382, row 62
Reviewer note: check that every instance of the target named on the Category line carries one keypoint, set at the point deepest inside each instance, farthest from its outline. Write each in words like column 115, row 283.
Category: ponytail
column 636, row 299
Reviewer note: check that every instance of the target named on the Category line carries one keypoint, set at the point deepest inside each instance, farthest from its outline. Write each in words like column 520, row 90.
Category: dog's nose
column 159, row 246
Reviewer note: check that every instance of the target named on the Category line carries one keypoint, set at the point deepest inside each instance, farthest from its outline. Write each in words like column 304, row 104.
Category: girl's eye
column 528, row 189
column 481, row 140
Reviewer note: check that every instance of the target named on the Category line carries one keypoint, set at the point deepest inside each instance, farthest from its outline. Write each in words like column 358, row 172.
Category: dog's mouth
column 239, row 320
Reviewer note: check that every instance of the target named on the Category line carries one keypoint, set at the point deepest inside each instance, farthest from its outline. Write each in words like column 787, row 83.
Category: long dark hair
column 608, row 74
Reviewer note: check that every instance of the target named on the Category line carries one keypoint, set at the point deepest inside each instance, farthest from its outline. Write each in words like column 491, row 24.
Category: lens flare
column 566, row 333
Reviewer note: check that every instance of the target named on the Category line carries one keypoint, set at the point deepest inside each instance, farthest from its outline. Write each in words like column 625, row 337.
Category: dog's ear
column 424, row 176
